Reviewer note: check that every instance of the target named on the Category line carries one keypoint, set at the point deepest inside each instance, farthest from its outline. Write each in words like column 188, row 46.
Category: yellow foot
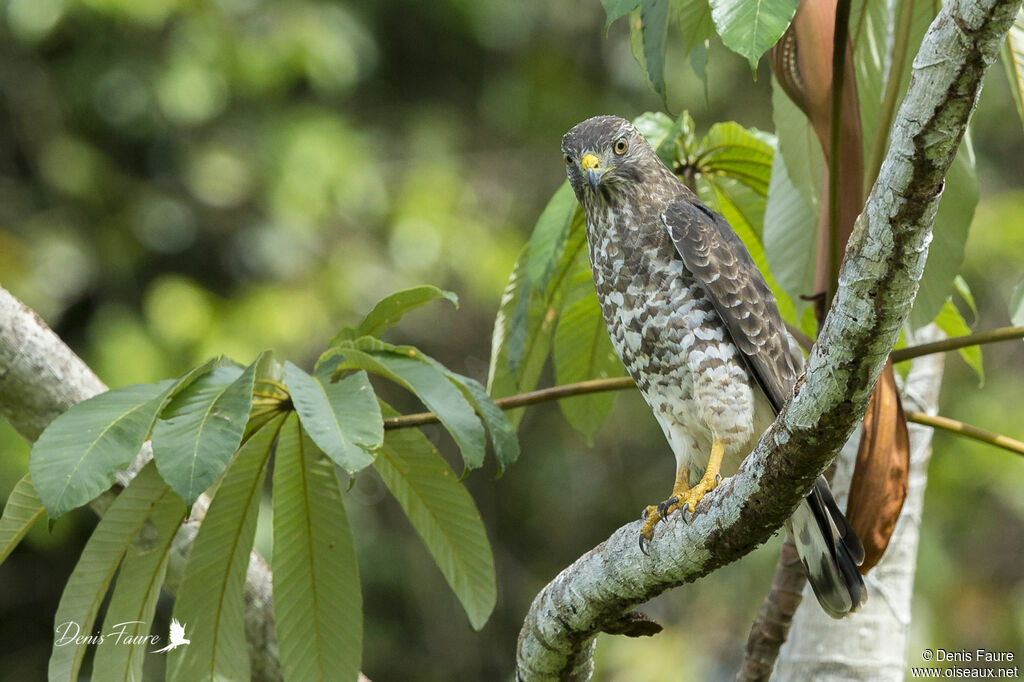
column 683, row 498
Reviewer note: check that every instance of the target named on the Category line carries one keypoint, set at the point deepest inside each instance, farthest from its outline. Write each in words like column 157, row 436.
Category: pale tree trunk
column 871, row 644
column 885, row 257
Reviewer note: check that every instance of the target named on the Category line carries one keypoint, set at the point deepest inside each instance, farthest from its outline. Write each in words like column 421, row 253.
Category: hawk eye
column 568, row 159
column 621, row 145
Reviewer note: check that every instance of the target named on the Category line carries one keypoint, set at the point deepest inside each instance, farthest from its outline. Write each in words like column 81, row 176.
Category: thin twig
column 957, row 342
column 961, row 429
column 533, row 397
column 624, row 383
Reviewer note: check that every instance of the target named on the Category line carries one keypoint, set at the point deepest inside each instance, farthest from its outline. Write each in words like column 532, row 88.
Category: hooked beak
column 592, row 168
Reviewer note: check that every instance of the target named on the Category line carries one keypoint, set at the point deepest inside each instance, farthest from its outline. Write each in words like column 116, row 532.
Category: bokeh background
column 184, row 179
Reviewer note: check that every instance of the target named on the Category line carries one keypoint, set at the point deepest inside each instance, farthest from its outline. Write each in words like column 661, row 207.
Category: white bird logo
column 177, row 637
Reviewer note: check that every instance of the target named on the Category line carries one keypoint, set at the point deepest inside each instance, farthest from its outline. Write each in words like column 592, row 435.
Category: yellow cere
column 590, row 161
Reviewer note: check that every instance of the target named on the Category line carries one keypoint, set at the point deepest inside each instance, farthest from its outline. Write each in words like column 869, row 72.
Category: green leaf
column 201, row 428
column 22, row 509
column 799, row 145
column 871, row 26
column 1013, row 62
column 548, row 238
column 960, row 286
column 75, row 458
column 130, row 612
column 583, row 351
column 1016, row 307
column 949, row 235
column 503, row 434
column 85, row 589
column 952, row 322
column 391, row 309
column 211, row 600
column 732, row 151
column 750, row 27
column 662, row 132
column 616, row 9
column 318, row 605
column 654, row 30
column 696, row 24
column 407, row 367
column 790, row 235
column 525, row 325
column 342, row 417
column 444, row 515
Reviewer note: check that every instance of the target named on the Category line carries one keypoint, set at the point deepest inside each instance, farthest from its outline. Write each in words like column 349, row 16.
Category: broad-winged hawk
column 699, row 331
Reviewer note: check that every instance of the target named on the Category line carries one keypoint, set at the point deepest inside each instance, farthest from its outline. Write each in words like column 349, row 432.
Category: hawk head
column 605, row 155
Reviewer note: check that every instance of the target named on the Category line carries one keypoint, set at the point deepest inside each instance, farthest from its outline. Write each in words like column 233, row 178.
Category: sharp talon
column 643, row 516
column 643, row 545
column 718, row 479
column 687, row 508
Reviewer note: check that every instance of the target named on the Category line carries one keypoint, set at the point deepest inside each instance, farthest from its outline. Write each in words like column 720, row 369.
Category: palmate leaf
column 317, row 599
column 391, row 309
column 407, row 367
column 443, row 514
column 211, row 597
column 583, row 350
column 75, row 458
column 201, row 428
column 22, row 509
column 85, row 589
column 744, row 155
column 342, row 417
column 135, row 594
column 750, row 27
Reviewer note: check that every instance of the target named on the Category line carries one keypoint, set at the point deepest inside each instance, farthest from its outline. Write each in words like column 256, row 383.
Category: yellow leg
column 682, row 495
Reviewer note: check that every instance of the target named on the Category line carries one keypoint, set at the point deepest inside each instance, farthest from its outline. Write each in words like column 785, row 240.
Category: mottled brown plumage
column 699, row 331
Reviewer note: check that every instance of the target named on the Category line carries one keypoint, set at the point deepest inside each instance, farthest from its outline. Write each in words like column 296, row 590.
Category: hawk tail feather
column 830, row 552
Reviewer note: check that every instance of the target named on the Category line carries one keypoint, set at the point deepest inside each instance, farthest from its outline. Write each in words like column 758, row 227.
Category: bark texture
column 885, row 258
column 40, row 377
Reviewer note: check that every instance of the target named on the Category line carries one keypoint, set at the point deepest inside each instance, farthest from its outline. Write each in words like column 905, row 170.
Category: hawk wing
column 723, row 268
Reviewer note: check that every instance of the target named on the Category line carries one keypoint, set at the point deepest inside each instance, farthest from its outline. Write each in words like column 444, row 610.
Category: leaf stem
column 625, row 383
column 958, row 342
column 962, row 429
column 836, row 246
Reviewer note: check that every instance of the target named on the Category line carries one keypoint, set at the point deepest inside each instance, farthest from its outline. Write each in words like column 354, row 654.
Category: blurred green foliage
column 184, row 179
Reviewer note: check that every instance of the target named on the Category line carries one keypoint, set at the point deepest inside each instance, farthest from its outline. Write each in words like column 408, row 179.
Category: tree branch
column 885, row 259
column 40, row 377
